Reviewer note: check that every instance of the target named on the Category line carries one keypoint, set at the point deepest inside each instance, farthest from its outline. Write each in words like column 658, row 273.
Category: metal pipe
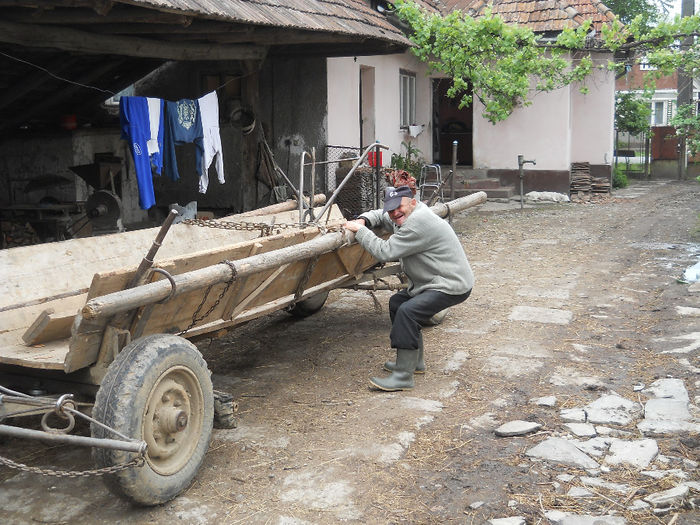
column 376, row 176
column 313, row 177
column 454, row 170
column 301, row 186
column 347, row 177
column 138, row 447
column 521, row 172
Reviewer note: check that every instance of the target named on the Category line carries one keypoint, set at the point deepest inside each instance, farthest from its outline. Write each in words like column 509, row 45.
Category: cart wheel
column 309, row 306
column 437, row 319
column 157, row 390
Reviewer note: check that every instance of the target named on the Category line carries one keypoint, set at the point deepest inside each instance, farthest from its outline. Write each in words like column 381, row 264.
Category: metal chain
column 265, row 229
column 196, row 319
column 138, row 461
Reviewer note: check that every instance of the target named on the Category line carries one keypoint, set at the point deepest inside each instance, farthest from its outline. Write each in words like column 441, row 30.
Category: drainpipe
column 521, row 163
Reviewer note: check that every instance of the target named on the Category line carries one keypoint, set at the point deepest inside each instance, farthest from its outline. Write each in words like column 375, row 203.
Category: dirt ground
column 315, row 445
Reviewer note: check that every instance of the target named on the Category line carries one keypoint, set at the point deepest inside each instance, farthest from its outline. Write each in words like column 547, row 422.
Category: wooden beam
column 33, row 81
column 92, row 44
column 37, row 109
column 117, row 16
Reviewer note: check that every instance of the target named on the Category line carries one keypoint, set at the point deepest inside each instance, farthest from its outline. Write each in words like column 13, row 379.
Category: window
column 408, row 98
column 657, row 114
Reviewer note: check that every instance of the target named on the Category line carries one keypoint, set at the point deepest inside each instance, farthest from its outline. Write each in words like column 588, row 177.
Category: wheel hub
column 173, row 420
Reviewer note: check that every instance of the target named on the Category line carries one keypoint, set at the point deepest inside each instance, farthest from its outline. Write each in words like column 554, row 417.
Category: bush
column 619, row 179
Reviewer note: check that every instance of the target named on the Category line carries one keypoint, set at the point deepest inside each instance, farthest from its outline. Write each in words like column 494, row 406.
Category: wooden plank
column 49, row 356
column 48, row 327
column 250, row 297
column 264, row 309
column 33, row 273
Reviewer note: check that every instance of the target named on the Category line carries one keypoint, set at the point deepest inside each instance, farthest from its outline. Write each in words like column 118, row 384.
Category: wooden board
column 48, row 327
column 32, row 273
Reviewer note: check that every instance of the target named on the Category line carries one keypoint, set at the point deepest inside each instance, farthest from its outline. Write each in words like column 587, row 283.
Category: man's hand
column 355, row 225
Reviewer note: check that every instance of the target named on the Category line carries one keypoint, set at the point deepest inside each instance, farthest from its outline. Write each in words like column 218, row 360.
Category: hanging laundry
column 209, row 108
column 136, row 127
column 183, row 124
column 155, row 143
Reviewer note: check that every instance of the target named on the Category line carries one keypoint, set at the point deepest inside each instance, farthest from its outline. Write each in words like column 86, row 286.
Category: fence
column 632, row 153
column 360, row 193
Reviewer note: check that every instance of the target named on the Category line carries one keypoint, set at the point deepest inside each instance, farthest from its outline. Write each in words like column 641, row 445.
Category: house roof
column 538, row 15
column 343, row 17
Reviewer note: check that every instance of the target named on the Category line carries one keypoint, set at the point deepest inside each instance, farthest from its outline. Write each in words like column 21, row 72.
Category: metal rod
column 320, row 162
column 147, row 261
column 454, row 169
column 347, row 177
column 134, row 446
column 301, row 186
column 376, row 176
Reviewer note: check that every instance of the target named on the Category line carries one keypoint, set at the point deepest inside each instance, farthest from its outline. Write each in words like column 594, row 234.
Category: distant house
column 378, row 97
column 663, row 106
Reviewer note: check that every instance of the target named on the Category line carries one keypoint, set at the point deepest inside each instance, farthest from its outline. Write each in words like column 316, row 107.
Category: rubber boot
column 390, row 366
column 402, row 377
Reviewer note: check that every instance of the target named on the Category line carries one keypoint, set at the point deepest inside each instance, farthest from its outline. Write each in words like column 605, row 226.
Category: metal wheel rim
column 176, row 392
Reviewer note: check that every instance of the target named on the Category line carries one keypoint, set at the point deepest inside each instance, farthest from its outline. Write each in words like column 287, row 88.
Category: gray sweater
column 430, row 253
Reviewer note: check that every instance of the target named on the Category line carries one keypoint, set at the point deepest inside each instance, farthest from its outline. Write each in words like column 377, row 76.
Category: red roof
column 538, row 15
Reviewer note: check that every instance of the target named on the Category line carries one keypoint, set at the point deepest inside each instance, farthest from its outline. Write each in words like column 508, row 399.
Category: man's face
column 400, row 214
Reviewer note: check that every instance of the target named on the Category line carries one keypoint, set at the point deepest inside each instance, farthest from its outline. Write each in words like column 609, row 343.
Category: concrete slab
column 639, row 453
column 668, row 388
column 562, row 451
column 537, row 314
column 612, row 410
column 517, row 428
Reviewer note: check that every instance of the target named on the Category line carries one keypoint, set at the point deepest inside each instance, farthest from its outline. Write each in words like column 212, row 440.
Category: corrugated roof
column 351, row 17
column 538, row 15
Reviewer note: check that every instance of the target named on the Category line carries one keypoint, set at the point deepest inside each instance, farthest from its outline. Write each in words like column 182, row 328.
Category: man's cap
column 393, row 196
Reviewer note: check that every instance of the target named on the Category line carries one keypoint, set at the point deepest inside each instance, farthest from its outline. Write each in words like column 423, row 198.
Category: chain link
column 265, row 228
column 138, row 461
column 196, row 319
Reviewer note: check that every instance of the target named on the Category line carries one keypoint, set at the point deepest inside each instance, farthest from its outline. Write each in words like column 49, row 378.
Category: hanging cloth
column 183, row 124
column 136, row 129
column 209, row 108
column 155, row 143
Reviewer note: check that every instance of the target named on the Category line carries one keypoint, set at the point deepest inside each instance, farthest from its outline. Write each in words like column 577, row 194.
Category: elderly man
column 439, row 275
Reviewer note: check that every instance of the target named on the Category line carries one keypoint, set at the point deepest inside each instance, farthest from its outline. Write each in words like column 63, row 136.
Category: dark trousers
column 408, row 314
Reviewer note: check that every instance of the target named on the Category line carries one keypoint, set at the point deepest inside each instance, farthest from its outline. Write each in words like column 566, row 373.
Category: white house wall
column 540, row 131
column 344, row 102
column 593, row 129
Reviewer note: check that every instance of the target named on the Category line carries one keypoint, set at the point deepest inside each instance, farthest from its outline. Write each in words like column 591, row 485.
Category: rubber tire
column 437, row 319
column 121, row 404
column 309, row 306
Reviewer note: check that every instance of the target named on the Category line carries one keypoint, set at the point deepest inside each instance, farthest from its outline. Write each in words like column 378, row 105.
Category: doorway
column 367, row 113
column 451, row 123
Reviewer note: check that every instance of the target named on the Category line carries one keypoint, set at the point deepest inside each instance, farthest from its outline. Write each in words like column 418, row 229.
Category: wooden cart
column 95, row 318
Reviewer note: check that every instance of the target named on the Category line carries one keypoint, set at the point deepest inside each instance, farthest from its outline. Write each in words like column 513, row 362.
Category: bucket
column 372, row 158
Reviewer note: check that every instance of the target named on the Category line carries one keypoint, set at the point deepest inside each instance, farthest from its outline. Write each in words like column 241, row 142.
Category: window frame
column 407, row 98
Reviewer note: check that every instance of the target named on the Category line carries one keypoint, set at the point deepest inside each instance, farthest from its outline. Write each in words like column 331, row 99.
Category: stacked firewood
column 17, row 234
column 580, row 177
column 600, row 185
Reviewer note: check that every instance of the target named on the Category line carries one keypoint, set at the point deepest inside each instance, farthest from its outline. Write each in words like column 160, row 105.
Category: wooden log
column 288, row 205
column 125, row 300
